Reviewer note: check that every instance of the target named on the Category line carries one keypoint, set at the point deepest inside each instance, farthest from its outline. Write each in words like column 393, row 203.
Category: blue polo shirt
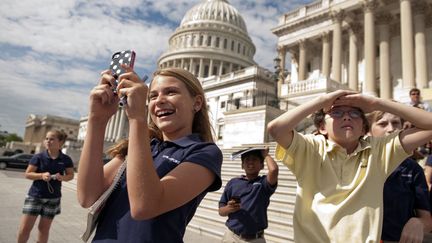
column 404, row 191
column 254, row 200
column 116, row 223
column 44, row 163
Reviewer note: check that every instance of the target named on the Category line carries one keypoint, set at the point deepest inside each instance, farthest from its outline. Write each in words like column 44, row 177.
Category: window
column 201, row 39
column 225, row 43
column 232, row 45
column 237, row 103
column 217, row 42
column 206, row 71
column 222, row 105
column 209, row 39
column 220, row 131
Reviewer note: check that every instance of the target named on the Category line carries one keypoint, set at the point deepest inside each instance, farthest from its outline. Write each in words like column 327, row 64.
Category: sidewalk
column 67, row 227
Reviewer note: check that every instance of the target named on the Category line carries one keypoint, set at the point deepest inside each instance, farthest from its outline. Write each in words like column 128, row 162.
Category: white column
column 121, row 125
column 325, row 66
column 302, row 60
column 201, row 68
column 407, row 44
column 337, row 45
column 386, row 87
column 221, row 68
column 369, row 40
column 421, row 65
column 210, row 68
column 182, row 63
column 353, row 57
column 191, row 65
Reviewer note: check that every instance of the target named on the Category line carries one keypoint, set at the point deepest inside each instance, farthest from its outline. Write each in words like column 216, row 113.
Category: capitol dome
column 212, row 39
column 215, row 11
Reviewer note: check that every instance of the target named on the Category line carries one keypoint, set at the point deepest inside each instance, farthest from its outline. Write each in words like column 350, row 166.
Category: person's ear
column 198, row 103
column 322, row 129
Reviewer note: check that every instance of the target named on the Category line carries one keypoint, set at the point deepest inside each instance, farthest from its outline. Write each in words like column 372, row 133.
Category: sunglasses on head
column 340, row 113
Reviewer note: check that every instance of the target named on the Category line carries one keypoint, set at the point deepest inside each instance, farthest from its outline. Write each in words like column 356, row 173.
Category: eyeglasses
column 415, row 94
column 340, row 113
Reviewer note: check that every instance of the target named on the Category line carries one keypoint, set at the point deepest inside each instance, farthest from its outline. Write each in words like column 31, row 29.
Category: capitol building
column 377, row 47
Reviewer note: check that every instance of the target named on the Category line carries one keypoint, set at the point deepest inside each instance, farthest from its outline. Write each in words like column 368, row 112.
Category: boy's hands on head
column 364, row 102
column 330, row 98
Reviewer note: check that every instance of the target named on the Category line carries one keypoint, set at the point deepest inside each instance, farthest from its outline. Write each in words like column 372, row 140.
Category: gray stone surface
column 66, row 228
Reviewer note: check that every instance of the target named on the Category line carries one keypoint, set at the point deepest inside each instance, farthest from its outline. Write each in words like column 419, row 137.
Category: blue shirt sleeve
column 209, row 156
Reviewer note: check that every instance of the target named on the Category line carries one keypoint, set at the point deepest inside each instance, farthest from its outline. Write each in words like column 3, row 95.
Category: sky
column 52, row 52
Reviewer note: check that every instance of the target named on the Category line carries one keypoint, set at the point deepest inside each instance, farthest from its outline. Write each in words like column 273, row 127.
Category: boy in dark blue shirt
column 246, row 198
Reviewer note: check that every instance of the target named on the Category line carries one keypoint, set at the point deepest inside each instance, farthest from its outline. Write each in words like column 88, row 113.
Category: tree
column 9, row 137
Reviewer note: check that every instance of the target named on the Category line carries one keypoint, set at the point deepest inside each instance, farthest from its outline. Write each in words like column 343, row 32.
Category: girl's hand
column 135, row 90
column 103, row 101
column 46, row 176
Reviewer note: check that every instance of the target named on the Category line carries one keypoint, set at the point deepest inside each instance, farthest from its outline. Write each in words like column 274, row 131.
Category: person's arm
column 231, row 207
column 69, row 175
column 281, row 128
column 31, row 174
column 414, row 229
column 91, row 181
column 272, row 167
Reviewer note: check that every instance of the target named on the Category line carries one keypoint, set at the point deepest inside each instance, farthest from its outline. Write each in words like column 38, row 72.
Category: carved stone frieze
column 302, row 43
column 419, row 7
column 370, row 5
column 325, row 36
column 337, row 15
column 355, row 28
column 384, row 18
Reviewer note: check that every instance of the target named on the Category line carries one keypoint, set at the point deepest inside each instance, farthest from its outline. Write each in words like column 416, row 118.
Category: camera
column 236, row 199
column 53, row 177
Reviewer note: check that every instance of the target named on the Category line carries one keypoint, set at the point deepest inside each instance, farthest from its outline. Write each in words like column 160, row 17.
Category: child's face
column 386, row 125
column 171, row 106
column 52, row 142
column 252, row 164
column 343, row 124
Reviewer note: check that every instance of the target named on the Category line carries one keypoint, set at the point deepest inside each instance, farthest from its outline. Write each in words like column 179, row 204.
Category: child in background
column 341, row 174
column 246, row 198
column 47, row 170
column 406, row 196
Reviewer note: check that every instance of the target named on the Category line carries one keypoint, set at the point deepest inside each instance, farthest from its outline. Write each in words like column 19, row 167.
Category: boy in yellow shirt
column 340, row 173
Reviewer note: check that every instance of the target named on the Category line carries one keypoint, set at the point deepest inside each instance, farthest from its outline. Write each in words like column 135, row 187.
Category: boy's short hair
column 414, row 90
column 319, row 119
column 256, row 153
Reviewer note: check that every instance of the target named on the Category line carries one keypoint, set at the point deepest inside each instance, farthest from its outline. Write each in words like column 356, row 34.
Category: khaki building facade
column 377, row 47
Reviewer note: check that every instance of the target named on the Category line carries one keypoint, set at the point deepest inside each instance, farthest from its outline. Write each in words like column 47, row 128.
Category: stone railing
column 306, row 10
column 246, row 72
column 310, row 87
